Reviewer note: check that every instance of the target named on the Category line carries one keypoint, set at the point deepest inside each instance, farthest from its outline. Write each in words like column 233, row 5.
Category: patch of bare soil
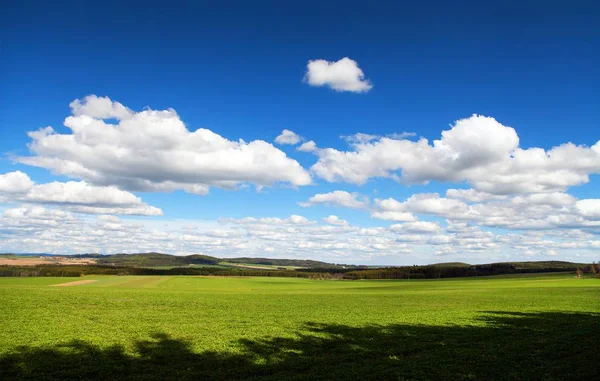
column 22, row 262
column 45, row 261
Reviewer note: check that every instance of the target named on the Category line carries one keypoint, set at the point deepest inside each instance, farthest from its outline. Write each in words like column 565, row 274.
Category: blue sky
column 238, row 70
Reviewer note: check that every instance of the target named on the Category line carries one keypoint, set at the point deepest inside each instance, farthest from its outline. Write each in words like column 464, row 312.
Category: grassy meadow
column 179, row 327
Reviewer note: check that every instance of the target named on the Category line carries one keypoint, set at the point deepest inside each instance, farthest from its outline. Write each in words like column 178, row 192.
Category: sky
column 349, row 132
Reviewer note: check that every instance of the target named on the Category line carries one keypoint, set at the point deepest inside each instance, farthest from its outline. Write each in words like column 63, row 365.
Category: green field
column 144, row 327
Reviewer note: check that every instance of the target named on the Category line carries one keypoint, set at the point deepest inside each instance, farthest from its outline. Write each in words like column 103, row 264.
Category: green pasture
column 178, row 327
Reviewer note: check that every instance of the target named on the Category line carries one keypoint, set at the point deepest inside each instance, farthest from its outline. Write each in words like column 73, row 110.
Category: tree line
column 404, row 272
column 78, row 270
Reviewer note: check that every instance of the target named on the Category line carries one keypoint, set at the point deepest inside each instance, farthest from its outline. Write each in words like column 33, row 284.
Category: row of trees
column 441, row 271
column 407, row 272
column 76, row 271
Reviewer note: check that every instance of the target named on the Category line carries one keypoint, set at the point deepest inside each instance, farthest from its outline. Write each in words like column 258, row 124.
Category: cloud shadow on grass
column 503, row 346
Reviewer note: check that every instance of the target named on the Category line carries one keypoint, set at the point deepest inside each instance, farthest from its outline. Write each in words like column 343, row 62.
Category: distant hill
column 451, row 264
column 155, row 260
column 530, row 265
column 534, row 265
column 165, row 264
column 160, row 260
column 165, row 260
column 305, row 263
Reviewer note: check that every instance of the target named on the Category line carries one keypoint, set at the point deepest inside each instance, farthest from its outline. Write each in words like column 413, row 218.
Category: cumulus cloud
column 425, row 203
column 76, row 196
column 294, row 219
column 342, row 75
column 417, row 227
column 38, row 217
column 34, row 229
column 153, row 150
column 335, row 220
column 113, row 150
column 338, row 198
column 365, row 138
column 100, row 108
column 15, row 182
column 391, row 210
column 288, row 137
column 390, row 215
column 589, row 208
column 309, row 146
column 478, row 150
column 472, row 195
column 534, row 211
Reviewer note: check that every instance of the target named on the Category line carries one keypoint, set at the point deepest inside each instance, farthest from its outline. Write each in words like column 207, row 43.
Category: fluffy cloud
column 15, row 182
column 589, row 208
column 391, row 210
column 478, row 150
column 35, row 229
column 288, row 137
column 335, row 220
column 76, row 196
column 365, row 138
column 534, row 211
column 113, row 150
column 338, row 198
column 417, row 227
column 472, row 195
column 342, row 75
column 309, row 146
column 390, row 215
column 154, row 151
column 100, row 108
column 291, row 220
column 31, row 218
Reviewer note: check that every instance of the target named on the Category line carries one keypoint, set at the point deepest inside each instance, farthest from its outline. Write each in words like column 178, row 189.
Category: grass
column 144, row 327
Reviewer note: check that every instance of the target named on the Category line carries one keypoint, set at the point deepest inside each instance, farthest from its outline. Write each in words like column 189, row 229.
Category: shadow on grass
column 505, row 346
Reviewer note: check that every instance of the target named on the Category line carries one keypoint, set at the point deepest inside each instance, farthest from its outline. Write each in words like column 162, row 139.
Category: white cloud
column 431, row 203
column 391, row 210
column 338, row 198
column 288, row 137
column 401, row 135
column 424, row 203
column 416, row 227
column 154, row 151
column 478, row 150
column 15, row 182
column 335, row 220
column 342, row 75
column 39, row 215
column 557, row 199
column 589, row 208
column 291, row 220
column 39, row 229
column 309, row 146
column 393, row 216
column 513, row 188
column 76, row 196
column 298, row 220
column 100, row 108
column 472, row 195
column 534, row 211
column 360, row 137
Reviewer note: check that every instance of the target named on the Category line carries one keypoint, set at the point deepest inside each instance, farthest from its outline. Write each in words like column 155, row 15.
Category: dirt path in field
column 76, row 283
